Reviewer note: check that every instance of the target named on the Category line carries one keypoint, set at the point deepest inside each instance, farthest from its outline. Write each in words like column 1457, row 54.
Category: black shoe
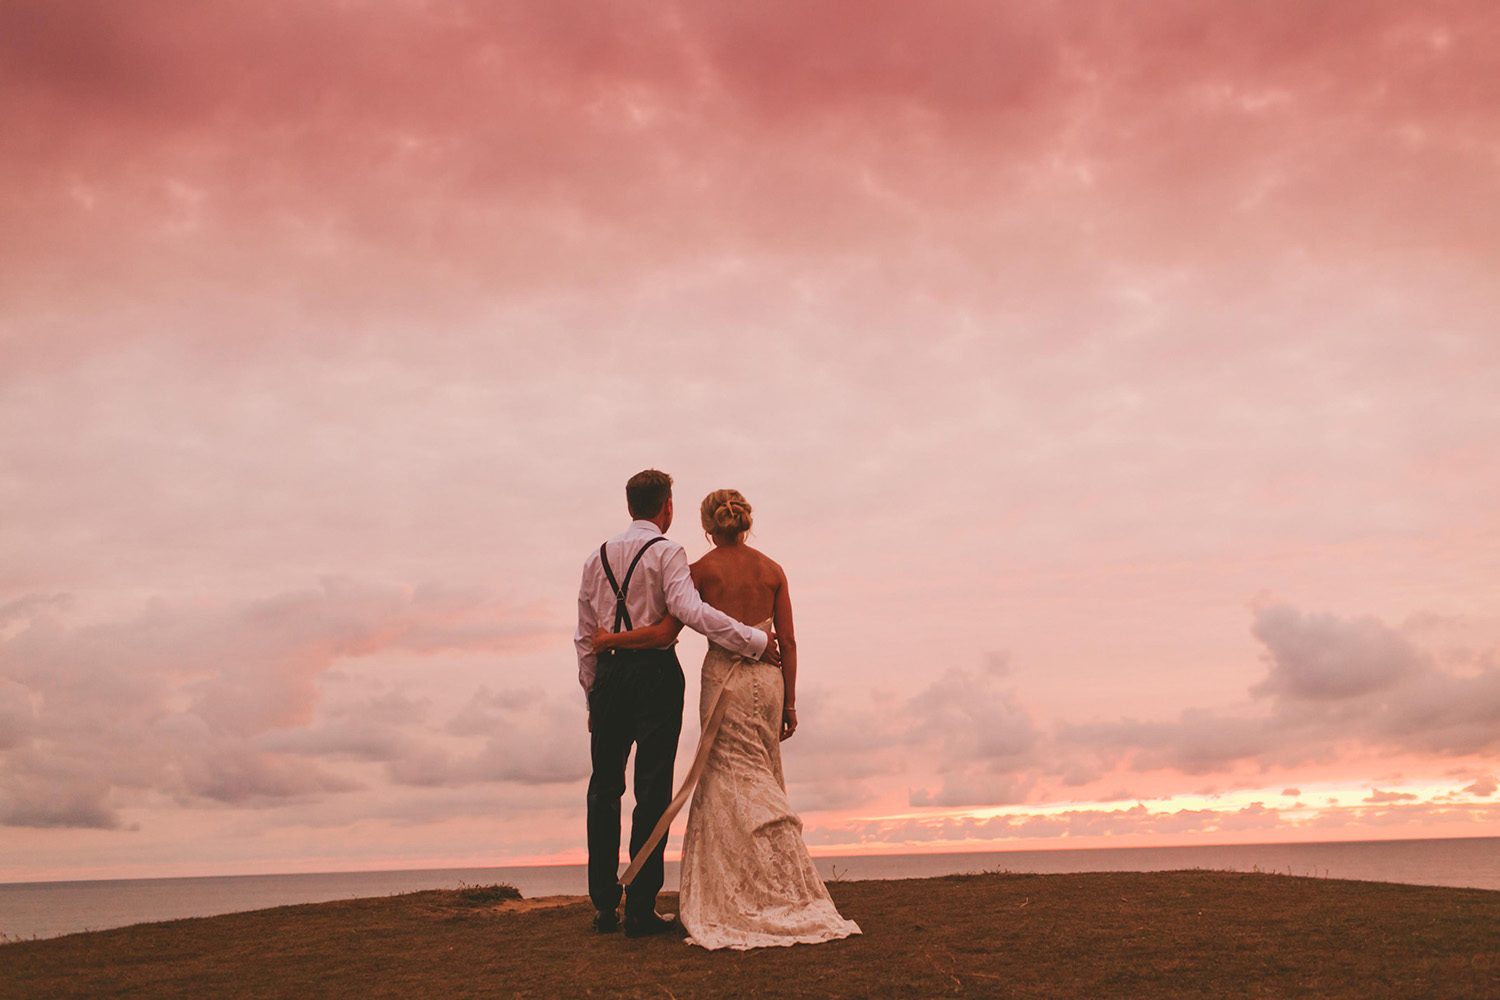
column 648, row 924
column 606, row 921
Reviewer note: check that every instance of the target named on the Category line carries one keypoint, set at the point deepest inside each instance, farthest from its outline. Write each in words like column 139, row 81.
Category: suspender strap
column 621, row 589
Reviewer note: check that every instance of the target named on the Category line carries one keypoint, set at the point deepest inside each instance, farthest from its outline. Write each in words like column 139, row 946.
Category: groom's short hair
column 647, row 492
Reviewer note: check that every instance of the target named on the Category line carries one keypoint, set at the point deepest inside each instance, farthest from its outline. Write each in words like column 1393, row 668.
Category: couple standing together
column 747, row 880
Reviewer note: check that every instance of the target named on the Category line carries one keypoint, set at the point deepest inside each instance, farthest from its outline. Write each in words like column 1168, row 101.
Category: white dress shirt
column 661, row 584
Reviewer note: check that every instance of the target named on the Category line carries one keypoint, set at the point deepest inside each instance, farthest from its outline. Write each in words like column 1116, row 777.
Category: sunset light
column 1118, row 386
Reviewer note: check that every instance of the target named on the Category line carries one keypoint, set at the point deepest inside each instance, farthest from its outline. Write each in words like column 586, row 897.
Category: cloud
column 229, row 772
column 1333, row 684
column 28, row 606
column 1138, row 820
column 1322, row 657
column 343, row 738
column 529, row 739
column 1198, row 742
column 1484, row 787
column 606, row 144
column 969, row 789
column 212, row 703
column 971, row 719
column 849, row 744
column 1335, row 689
column 17, row 715
column 968, row 731
column 538, row 744
column 983, row 734
column 225, row 705
column 371, row 729
column 51, row 791
column 486, row 710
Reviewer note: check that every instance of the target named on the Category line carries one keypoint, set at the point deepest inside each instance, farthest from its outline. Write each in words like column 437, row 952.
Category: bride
column 747, row 879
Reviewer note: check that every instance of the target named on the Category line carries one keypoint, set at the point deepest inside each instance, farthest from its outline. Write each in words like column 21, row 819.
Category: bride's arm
column 657, row 636
column 786, row 636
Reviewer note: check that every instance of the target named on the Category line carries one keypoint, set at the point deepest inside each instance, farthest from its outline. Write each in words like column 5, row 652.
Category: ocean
column 47, row 909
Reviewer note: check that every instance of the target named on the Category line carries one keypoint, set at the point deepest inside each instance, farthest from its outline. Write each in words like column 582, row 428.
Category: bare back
column 740, row 581
column 747, row 585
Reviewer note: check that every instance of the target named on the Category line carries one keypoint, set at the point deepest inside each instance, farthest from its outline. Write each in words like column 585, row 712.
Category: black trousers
column 637, row 699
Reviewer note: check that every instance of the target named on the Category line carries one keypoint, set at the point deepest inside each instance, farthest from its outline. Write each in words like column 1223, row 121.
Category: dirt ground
column 1099, row 935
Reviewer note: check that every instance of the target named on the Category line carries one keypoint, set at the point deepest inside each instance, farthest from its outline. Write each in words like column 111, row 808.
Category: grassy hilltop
column 1098, row 935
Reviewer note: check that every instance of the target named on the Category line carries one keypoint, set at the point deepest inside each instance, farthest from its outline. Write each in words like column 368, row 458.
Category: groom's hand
column 772, row 655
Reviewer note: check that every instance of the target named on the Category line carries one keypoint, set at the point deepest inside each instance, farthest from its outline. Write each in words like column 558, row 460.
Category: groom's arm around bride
column 661, row 585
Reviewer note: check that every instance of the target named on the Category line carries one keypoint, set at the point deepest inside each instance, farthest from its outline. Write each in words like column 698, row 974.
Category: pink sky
column 1119, row 384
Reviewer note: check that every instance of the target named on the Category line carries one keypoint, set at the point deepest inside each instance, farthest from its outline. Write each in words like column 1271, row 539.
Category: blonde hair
column 726, row 513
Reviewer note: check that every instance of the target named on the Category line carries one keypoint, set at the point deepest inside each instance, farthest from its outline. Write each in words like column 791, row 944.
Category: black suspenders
column 620, row 589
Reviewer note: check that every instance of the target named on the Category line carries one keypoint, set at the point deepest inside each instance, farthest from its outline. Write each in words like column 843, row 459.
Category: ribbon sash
column 700, row 761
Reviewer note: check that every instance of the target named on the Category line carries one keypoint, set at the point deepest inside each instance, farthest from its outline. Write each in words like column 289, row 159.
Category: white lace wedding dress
column 747, row 879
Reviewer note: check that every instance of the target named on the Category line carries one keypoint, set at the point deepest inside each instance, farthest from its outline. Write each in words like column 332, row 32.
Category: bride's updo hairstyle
column 726, row 514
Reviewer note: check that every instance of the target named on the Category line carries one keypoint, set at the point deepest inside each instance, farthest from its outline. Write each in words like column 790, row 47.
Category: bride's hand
column 602, row 640
column 788, row 722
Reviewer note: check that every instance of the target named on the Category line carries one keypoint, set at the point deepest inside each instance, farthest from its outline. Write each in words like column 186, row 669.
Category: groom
column 635, row 695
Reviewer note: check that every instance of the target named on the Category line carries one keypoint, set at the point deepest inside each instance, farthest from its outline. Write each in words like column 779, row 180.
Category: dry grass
column 485, row 895
column 1103, row 935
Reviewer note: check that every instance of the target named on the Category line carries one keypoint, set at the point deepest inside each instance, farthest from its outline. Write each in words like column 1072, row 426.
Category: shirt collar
column 639, row 525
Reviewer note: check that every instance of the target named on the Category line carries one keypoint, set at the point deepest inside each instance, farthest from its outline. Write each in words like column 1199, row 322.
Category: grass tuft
column 486, row 895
